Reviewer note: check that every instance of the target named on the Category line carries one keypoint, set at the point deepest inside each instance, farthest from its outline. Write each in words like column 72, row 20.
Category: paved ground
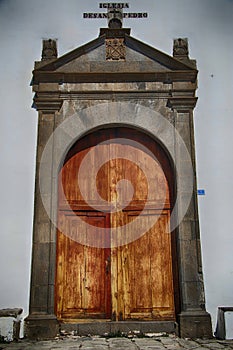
column 97, row 343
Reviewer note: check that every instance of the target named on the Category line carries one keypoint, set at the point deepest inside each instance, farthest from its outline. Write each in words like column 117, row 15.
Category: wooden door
column 145, row 279
column 83, row 279
column 130, row 280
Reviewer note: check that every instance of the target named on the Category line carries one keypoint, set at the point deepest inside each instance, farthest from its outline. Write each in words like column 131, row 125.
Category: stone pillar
column 42, row 322
column 194, row 321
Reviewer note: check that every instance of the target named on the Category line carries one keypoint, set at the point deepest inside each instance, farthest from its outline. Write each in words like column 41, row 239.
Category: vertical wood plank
column 140, row 282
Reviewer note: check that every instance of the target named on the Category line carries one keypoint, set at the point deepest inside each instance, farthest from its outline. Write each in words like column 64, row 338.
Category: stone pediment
column 90, row 56
column 91, row 60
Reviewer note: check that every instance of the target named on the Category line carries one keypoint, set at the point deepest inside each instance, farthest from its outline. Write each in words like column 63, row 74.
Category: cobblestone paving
column 97, row 343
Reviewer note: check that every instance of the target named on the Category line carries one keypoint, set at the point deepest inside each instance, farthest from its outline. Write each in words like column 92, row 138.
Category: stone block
column 187, row 202
column 46, row 126
column 121, row 343
column 125, row 327
column 187, row 230
column 184, row 182
column 191, row 294
column 184, row 131
column 100, row 328
column 158, row 327
column 40, row 212
column 188, row 251
column 220, row 331
column 195, row 325
column 42, row 232
column 147, row 343
column 184, row 85
column 39, row 298
column 98, row 344
column 48, row 87
column 185, row 169
column 51, row 295
column 53, row 254
column 44, row 176
column 69, row 328
column 41, row 327
column 40, row 265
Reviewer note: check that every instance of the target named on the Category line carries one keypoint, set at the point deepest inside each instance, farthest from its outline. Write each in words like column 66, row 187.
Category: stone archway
column 57, row 133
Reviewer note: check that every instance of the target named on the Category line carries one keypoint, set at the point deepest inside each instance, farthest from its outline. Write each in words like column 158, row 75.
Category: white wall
column 208, row 24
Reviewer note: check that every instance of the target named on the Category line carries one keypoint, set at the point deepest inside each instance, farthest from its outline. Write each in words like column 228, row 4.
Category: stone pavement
column 97, row 343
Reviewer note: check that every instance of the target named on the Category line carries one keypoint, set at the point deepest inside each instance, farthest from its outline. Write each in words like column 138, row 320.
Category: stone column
column 42, row 322
column 194, row 321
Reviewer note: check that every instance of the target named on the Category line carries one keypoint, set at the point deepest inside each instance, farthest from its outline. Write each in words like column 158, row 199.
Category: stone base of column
column 40, row 327
column 195, row 324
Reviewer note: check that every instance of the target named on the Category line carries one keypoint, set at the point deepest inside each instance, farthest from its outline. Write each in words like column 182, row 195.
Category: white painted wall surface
column 209, row 25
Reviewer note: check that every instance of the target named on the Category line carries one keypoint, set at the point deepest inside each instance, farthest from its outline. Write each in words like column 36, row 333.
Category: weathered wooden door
column 115, row 262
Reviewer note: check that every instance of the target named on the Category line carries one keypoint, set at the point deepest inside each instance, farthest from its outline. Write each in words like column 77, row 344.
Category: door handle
column 108, row 265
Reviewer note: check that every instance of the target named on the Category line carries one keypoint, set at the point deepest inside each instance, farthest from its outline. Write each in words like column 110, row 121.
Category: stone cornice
column 166, row 60
column 92, row 77
column 47, row 104
column 182, row 104
column 114, row 33
column 159, row 56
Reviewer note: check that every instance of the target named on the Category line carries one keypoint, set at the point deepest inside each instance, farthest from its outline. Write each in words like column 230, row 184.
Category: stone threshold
column 115, row 327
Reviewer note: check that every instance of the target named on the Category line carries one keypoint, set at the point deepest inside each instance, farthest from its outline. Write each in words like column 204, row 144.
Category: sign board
column 92, row 15
column 114, row 6
column 201, row 192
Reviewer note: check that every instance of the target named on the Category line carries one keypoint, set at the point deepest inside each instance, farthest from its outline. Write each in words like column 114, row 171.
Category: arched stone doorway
column 57, row 133
column 103, row 273
column 75, row 95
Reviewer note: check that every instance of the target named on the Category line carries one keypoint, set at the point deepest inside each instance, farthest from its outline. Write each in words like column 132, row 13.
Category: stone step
column 124, row 327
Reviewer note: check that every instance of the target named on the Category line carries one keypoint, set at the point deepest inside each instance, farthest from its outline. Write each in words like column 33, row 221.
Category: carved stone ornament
column 115, row 49
column 180, row 47
column 49, row 49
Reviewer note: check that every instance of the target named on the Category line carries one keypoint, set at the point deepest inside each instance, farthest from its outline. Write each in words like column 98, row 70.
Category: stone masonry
column 97, row 343
column 148, row 90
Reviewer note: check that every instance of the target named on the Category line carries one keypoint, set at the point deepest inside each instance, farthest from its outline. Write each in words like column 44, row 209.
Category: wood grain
column 135, row 280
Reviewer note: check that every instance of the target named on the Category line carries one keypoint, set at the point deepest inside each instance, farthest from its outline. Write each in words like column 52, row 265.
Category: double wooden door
column 114, row 251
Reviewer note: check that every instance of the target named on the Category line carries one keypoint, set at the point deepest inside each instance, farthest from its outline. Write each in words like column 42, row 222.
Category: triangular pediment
column 139, row 57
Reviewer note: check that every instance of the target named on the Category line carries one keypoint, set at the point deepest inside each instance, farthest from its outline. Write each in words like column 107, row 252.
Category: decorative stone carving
column 180, row 47
column 49, row 49
column 115, row 49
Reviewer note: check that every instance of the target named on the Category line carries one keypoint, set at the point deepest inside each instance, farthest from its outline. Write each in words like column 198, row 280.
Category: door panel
column 83, row 283
column 145, row 282
column 131, row 281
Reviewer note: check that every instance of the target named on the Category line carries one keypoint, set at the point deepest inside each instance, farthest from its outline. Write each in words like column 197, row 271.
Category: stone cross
column 115, row 14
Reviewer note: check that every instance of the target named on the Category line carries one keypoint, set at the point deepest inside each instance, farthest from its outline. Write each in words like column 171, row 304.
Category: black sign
column 125, row 15
column 115, row 6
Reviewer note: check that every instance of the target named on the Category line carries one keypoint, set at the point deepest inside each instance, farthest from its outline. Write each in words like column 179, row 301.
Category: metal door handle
column 108, row 265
